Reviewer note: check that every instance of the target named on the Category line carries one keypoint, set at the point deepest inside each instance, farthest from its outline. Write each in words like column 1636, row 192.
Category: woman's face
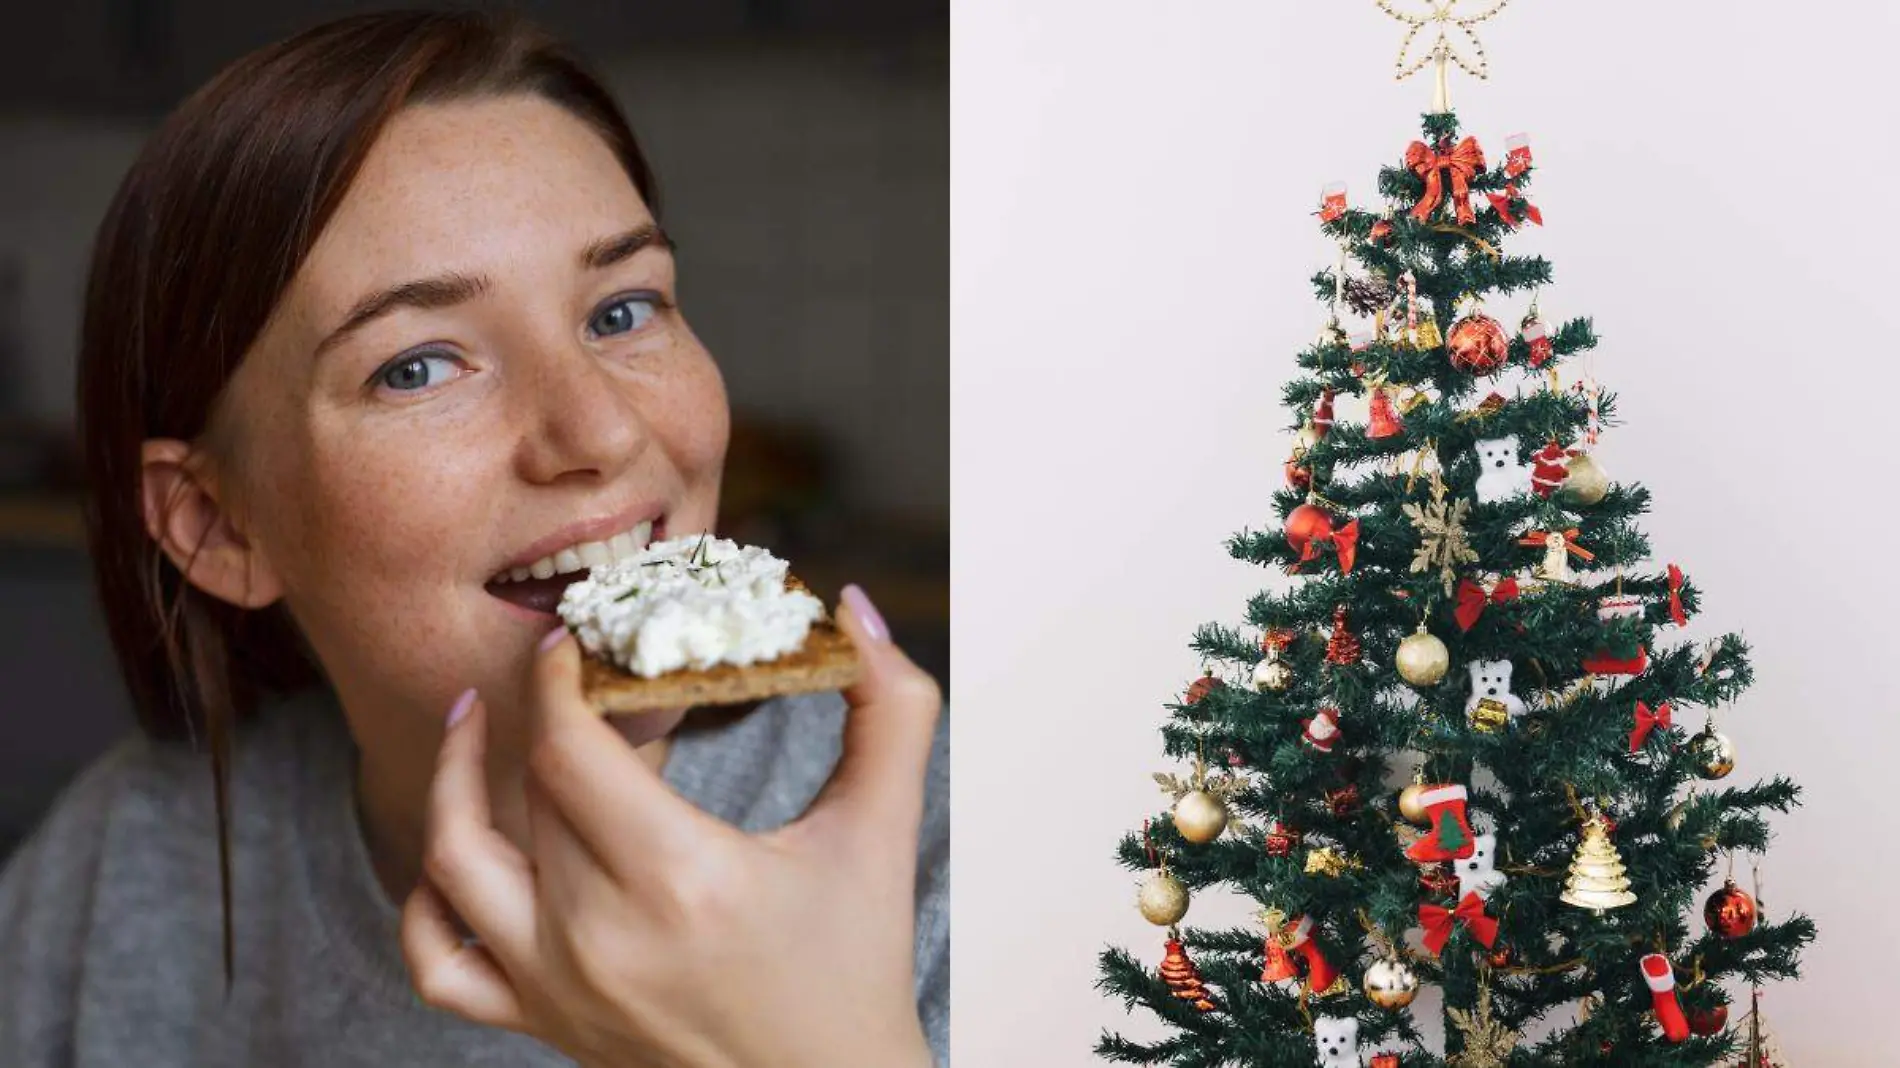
column 533, row 387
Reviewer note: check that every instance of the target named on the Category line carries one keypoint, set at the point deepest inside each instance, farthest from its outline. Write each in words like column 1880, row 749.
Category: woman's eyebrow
column 454, row 287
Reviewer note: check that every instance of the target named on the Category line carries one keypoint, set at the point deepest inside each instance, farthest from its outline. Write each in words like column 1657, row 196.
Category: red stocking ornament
column 1662, row 991
column 1450, row 837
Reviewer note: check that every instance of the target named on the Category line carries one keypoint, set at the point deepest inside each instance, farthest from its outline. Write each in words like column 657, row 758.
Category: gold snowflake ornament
column 1441, row 534
column 1488, row 1044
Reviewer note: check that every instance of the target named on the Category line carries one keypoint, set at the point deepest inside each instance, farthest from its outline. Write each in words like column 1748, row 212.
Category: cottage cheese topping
column 691, row 601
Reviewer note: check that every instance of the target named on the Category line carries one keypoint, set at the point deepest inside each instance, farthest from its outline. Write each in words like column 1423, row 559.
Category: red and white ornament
column 1322, row 730
column 1550, row 465
column 1332, row 201
column 1537, row 338
column 1661, row 980
column 1517, row 155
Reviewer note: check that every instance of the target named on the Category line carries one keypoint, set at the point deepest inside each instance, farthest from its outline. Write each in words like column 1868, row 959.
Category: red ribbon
column 1647, row 721
column 1675, row 597
column 1536, row 538
column 1438, row 921
column 1464, row 162
column 1345, row 540
column 1472, row 599
column 1501, row 203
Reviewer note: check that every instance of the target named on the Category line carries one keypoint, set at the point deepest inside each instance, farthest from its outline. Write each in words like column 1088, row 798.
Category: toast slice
column 827, row 661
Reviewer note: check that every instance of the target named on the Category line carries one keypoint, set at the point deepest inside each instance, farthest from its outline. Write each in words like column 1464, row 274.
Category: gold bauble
column 1390, row 984
column 1272, row 674
column 1422, row 658
column 1163, row 899
column 1586, row 483
column 1200, row 816
column 1411, row 809
column 1713, row 754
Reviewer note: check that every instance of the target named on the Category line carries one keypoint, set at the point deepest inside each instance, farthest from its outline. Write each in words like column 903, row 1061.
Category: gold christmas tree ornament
column 1442, row 52
column 1597, row 879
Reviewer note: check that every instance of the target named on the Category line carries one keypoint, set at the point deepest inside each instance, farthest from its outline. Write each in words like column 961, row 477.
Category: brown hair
column 205, row 233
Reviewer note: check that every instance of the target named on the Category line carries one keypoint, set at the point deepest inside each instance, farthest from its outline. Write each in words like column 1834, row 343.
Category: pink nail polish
column 866, row 612
column 461, row 706
column 553, row 638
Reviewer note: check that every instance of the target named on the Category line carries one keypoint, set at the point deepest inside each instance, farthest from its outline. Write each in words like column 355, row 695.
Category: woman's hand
column 638, row 930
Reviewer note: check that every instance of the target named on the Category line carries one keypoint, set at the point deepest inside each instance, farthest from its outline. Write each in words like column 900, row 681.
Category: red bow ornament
column 1463, row 163
column 1647, row 721
column 1501, row 203
column 1539, row 538
column 1344, row 540
column 1676, row 613
column 1472, row 598
column 1439, row 920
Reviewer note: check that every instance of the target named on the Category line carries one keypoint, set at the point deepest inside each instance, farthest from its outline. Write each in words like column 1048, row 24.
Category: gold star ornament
column 1455, row 33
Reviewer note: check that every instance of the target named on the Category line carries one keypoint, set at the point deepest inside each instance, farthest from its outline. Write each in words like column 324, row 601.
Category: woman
column 381, row 314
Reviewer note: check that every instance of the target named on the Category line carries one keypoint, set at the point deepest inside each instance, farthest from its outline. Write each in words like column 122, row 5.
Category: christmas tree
column 1476, row 611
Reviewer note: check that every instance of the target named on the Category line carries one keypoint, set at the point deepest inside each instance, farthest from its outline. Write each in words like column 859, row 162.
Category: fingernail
column 866, row 612
column 462, row 704
column 554, row 638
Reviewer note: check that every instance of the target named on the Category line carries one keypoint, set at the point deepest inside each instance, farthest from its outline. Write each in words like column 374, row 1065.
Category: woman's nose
column 580, row 420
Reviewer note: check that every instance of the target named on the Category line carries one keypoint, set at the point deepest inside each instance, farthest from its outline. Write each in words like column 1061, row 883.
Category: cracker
column 827, row 661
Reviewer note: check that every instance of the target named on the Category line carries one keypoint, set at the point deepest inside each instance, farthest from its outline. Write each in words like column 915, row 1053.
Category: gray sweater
column 110, row 944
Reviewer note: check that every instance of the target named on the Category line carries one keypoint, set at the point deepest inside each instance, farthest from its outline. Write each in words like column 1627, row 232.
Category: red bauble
column 1200, row 688
column 1305, row 523
column 1477, row 344
column 1380, row 231
column 1730, row 912
column 1384, row 1060
column 1709, row 1021
column 1499, row 957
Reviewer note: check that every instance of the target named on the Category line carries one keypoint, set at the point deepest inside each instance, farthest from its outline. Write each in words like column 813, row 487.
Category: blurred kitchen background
column 803, row 155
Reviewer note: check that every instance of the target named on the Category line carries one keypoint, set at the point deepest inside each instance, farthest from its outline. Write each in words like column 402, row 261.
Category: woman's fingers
column 879, row 781
column 614, row 802
column 449, row 973
column 474, row 867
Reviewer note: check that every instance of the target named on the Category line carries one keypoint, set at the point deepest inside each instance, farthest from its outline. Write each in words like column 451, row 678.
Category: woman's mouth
column 538, row 586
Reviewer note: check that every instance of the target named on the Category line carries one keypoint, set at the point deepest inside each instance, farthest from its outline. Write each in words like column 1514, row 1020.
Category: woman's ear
column 184, row 515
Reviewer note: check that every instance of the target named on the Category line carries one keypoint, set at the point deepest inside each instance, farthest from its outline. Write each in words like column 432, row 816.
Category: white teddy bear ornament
column 1491, row 680
column 1336, row 1039
column 1500, row 474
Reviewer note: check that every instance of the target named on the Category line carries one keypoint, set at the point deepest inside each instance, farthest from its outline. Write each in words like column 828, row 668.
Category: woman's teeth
column 587, row 554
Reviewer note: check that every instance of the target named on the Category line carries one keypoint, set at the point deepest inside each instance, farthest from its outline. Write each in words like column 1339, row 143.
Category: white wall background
column 1131, row 243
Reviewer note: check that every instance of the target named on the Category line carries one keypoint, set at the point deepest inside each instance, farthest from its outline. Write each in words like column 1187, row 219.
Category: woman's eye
column 407, row 374
column 625, row 315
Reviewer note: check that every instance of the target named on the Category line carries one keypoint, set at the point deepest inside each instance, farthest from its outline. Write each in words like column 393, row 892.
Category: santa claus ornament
column 1550, row 465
